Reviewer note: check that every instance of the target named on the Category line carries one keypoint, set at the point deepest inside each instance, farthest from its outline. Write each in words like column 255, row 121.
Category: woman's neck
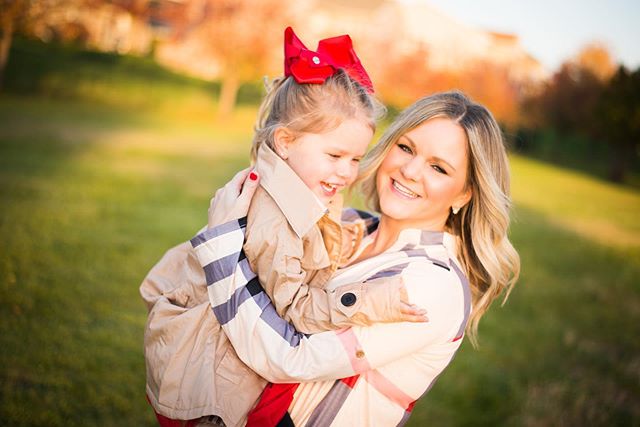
column 387, row 234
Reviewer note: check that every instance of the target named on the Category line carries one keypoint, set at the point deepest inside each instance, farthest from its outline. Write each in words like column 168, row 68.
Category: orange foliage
column 405, row 78
column 596, row 58
column 240, row 35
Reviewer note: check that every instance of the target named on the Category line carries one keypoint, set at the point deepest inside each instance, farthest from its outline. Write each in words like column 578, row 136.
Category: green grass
column 96, row 185
column 577, row 152
column 92, row 196
column 67, row 72
column 564, row 350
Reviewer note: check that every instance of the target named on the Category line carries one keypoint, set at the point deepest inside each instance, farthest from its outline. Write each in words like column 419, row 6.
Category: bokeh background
column 119, row 119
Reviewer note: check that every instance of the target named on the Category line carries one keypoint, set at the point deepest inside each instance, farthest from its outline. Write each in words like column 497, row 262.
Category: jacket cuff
column 368, row 302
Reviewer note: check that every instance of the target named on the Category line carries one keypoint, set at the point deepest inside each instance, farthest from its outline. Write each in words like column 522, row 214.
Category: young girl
column 314, row 125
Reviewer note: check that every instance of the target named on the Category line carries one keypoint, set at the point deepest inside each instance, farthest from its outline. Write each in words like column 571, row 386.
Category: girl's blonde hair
column 312, row 108
column 485, row 252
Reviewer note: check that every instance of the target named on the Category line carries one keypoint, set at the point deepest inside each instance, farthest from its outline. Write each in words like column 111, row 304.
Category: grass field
column 92, row 196
column 95, row 186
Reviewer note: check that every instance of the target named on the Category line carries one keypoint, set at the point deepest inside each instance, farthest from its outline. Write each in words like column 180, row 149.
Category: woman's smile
column 403, row 191
column 424, row 175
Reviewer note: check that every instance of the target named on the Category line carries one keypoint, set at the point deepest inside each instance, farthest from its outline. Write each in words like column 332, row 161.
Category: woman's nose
column 412, row 169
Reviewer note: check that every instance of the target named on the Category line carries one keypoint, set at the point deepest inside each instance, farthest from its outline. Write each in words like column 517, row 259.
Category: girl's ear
column 282, row 139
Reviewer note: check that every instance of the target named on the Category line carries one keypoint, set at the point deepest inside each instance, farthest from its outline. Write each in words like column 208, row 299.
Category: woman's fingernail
column 253, row 176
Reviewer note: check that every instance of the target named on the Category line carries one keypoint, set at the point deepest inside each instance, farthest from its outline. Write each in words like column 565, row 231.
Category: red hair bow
column 307, row 66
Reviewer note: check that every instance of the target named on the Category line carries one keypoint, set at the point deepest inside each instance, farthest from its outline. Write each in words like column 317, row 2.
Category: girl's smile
column 327, row 162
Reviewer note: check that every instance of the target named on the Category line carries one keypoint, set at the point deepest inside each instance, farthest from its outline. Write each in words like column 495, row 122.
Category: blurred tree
column 596, row 58
column 491, row 84
column 11, row 13
column 569, row 99
column 23, row 16
column 242, row 35
column 617, row 120
column 402, row 78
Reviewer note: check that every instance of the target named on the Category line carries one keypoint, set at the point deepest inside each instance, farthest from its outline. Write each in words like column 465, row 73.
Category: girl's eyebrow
column 436, row 158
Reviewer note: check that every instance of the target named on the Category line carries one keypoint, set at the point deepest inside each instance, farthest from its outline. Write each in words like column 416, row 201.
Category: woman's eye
column 439, row 169
column 405, row 148
column 356, row 160
column 334, row 156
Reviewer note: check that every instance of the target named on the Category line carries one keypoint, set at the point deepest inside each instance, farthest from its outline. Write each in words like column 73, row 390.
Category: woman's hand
column 232, row 201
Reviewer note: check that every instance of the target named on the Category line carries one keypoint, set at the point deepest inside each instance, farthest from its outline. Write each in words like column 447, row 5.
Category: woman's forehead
column 438, row 137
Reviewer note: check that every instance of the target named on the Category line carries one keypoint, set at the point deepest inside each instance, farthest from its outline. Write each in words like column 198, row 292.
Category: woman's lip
column 399, row 193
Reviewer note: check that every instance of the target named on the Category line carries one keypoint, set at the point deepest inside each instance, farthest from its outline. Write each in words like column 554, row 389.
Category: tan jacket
column 294, row 244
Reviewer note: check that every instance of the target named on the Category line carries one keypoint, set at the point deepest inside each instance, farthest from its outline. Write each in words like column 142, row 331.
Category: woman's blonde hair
column 485, row 252
column 312, row 108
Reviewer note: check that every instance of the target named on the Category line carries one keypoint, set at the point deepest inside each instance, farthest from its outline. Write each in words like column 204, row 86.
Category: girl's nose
column 344, row 170
column 412, row 169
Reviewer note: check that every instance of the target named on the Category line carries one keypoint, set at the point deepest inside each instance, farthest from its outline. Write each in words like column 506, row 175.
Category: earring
column 455, row 210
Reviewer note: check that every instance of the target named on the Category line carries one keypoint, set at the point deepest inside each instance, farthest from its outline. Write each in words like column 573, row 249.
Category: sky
column 555, row 30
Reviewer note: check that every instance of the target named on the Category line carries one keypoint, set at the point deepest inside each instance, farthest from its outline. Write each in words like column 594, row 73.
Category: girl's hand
column 411, row 312
column 232, row 201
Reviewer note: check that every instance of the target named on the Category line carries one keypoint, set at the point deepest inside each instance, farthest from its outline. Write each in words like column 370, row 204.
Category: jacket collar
column 414, row 237
column 299, row 205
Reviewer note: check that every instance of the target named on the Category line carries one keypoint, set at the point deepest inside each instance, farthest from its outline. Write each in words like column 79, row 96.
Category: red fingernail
column 253, row 176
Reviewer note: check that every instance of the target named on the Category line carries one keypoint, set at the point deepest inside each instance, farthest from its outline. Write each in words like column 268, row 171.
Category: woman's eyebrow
column 436, row 158
column 413, row 144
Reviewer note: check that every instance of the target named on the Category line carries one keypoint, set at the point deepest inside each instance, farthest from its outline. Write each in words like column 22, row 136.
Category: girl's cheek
column 354, row 172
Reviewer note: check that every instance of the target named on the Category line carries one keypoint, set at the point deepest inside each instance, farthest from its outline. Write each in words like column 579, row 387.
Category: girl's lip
column 334, row 187
column 329, row 193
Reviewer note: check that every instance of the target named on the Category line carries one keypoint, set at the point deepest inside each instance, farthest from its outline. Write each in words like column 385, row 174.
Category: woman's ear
column 462, row 199
column 283, row 137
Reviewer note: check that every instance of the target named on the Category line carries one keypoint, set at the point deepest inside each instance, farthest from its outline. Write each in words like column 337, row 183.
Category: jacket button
column 359, row 354
column 348, row 299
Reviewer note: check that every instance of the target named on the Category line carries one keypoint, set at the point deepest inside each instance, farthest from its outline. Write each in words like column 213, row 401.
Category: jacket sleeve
column 177, row 273
column 285, row 355
column 275, row 254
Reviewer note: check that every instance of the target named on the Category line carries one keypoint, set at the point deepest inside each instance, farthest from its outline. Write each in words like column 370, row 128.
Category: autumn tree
column 12, row 13
column 596, row 58
column 244, row 36
column 402, row 77
column 24, row 16
column 490, row 84
column 569, row 99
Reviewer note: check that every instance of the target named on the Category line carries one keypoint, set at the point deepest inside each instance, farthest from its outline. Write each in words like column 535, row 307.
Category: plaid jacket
column 294, row 244
column 356, row 376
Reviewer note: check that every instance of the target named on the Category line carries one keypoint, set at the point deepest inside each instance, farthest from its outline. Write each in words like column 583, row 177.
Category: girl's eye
column 405, row 148
column 334, row 156
column 439, row 169
column 356, row 160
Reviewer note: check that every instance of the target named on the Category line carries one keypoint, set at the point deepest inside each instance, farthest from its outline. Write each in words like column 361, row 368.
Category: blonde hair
column 312, row 108
column 485, row 252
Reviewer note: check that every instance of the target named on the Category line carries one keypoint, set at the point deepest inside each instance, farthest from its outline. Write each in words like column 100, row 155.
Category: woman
column 439, row 178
